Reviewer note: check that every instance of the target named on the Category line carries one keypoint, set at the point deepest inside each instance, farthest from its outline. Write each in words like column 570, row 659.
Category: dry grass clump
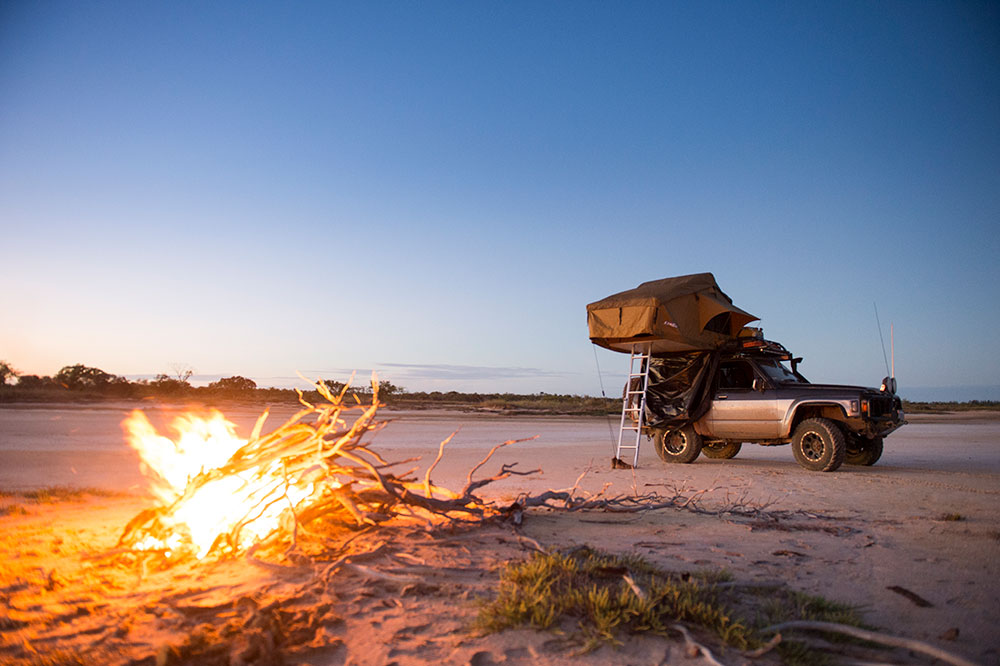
column 13, row 510
column 52, row 494
column 257, row 635
column 13, row 502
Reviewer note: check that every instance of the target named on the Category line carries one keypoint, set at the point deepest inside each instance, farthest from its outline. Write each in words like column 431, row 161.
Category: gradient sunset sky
column 435, row 190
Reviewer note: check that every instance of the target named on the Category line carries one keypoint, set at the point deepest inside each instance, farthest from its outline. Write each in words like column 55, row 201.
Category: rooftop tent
column 677, row 314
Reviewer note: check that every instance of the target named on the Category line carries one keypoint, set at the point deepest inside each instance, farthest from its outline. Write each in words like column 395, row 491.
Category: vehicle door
column 738, row 411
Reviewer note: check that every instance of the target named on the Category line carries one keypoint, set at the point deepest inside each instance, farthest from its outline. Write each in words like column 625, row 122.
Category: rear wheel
column 818, row 445
column 721, row 450
column 863, row 450
column 677, row 446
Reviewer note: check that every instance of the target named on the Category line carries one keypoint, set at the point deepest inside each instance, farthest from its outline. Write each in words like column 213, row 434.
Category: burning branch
column 314, row 468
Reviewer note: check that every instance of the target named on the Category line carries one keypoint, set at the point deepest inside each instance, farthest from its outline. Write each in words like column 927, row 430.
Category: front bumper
column 882, row 427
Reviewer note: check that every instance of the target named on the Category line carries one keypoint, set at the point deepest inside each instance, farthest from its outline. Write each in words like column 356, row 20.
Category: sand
column 923, row 521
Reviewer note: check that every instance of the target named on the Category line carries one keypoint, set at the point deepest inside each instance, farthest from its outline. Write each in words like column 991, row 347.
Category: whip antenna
column 882, row 340
column 597, row 363
column 611, row 431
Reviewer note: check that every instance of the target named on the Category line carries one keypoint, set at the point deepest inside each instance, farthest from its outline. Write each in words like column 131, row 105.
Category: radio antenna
column 882, row 340
column 892, row 348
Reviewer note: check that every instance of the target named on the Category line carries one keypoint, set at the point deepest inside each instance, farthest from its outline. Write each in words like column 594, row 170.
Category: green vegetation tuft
column 590, row 587
column 713, row 576
column 783, row 605
column 951, row 517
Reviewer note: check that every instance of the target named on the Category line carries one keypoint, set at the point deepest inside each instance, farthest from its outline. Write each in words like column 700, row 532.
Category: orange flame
column 248, row 505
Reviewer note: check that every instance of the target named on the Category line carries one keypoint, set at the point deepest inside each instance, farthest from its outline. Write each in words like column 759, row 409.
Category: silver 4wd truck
column 757, row 395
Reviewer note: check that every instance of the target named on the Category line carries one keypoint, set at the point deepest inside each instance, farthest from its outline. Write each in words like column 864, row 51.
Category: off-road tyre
column 863, row 450
column 721, row 450
column 677, row 446
column 818, row 445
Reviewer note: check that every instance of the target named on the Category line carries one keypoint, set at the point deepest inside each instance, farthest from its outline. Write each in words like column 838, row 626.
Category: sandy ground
column 924, row 520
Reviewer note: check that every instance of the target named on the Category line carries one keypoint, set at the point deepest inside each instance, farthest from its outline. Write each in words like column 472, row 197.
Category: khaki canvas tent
column 674, row 315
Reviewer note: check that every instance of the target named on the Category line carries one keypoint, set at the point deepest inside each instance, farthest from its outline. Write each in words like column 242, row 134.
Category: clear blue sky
column 437, row 190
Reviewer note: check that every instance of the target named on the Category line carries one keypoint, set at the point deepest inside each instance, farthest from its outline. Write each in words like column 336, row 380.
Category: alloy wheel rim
column 812, row 446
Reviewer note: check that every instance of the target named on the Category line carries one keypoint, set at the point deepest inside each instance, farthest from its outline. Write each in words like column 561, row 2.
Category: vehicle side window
column 736, row 375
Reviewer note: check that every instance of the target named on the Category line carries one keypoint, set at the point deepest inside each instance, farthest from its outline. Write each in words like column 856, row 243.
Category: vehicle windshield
column 778, row 372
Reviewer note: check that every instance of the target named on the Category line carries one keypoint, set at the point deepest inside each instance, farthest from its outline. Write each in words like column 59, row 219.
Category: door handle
column 721, row 397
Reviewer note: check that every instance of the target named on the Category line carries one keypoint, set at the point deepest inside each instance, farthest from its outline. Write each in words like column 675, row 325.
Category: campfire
column 218, row 494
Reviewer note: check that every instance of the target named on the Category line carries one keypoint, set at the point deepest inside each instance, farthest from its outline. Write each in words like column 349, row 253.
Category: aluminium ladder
column 634, row 402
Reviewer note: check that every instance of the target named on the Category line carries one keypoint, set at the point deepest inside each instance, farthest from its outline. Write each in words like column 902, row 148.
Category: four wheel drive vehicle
column 708, row 382
column 758, row 396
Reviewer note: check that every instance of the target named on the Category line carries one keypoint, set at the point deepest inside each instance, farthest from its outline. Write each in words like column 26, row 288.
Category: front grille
column 881, row 406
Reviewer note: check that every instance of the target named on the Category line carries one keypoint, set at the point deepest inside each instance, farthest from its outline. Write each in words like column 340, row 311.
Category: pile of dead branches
column 322, row 449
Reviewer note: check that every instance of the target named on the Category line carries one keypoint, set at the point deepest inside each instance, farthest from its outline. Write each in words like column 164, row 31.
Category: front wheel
column 721, row 450
column 863, row 450
column 677, row 446
column 818, row 445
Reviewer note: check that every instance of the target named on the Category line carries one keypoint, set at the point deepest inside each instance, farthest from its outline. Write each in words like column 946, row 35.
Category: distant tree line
column 916, row 407
column 84, row 382
column 80, row 382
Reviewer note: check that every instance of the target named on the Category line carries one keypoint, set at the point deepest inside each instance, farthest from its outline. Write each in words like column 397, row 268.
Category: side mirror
column 758, row 384
column 889, row 385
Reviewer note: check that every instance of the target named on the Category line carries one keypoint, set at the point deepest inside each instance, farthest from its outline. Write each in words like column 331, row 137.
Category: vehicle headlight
column 854, row 408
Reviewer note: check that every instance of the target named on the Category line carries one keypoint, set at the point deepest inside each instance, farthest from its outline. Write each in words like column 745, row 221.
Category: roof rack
column 761, row 346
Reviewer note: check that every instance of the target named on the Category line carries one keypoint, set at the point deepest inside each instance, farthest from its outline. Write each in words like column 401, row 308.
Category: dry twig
column 874, row 637
column 695, row 647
